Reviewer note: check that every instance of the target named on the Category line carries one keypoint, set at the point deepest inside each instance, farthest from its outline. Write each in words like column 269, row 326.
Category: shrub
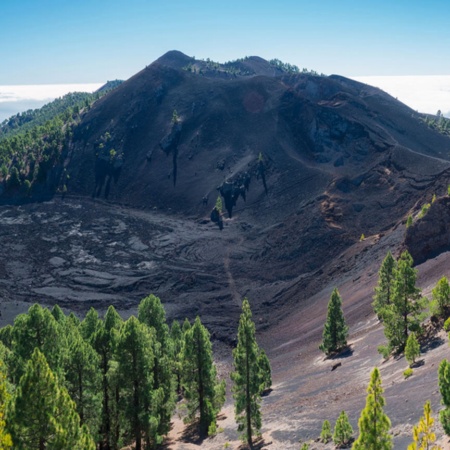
column 407, row 373
column 409, row 221
column 424, row 210
column 383, row 350
column 447, row 325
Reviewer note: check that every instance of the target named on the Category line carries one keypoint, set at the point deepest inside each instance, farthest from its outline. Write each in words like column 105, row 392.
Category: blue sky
column 63, row 41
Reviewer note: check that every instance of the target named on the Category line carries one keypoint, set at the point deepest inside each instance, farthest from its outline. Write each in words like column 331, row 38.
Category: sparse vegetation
column 409, row 221
column 424, row 210
column 408, row 372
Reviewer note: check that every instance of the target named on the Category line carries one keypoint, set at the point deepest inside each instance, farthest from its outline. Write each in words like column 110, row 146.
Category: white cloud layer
column 43, row 91
column 426, row 94
column 16, row 99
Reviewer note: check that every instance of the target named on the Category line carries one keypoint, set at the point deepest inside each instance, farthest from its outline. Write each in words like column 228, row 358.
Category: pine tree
column 412, row 349
column 89, row 325
column 133, row 353
column 326, row 435
column 343, row 431
column 200, row 380
column 404, row 312
column 38, row 329
column 247, row 378
column 102, row 343
column 441, row 296
column 373, row 423
column 5, row 437
column 151, row 313
column 383, row 291
column 42, row 415
column 444, row 388
column 83, row 379
column 423, row 435
column 335, row 331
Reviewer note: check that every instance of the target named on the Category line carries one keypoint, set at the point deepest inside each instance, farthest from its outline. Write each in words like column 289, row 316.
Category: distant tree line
column 34, row 142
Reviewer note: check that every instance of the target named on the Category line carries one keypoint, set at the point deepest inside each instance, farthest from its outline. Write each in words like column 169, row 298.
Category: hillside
column 119, row 199
column 305, row 165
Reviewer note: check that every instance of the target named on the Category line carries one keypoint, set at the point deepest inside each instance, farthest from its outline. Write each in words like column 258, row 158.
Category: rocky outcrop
column 430, row 235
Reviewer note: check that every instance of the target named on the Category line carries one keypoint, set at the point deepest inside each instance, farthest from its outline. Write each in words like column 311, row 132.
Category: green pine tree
column 326, row 435
column 134, row 356
column 373, row 423
column 444, row 388
column 247, row 378
column 412, row 349
column 383, row 290
column 441, row 297
column 83, row 380
column 151, row 313
column 200, row 380
column 343, row 431
column 42, row 415
column 90, row 324
column 403, row 314
column 110, row 394
column 335, row 331
column 38, row 329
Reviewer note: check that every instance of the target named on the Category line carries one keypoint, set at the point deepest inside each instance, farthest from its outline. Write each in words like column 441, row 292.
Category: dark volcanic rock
column 430, row 235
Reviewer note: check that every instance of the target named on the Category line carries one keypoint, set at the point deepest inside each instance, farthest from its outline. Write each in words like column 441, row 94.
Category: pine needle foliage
column 423, row 435
column 325, row 434
column 404, row 313
column 343, row 431
column 383, row 290
column 441, row 296
column 247, row 378
column 412, row 349
column 335, row 331
column 444, row 388
column 203, row 391
column 5, row 437
column 373, row 423
column 42, row 415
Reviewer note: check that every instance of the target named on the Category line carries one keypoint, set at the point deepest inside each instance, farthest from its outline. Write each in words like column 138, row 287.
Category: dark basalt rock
column 430, row 235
